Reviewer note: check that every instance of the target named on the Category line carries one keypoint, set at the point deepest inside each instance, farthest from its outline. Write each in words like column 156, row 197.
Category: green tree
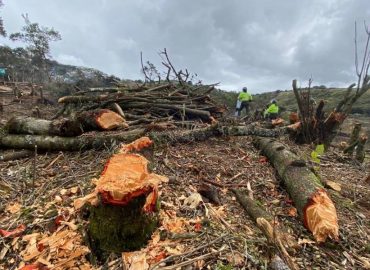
column 2, row 29
column 38, row 40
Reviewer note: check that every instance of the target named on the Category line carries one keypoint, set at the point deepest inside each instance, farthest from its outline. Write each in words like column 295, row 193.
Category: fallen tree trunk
column 99, row 140
column 86, row 121
column 265, row 223
column 310, row 198
column 16, row 155
column 55, row 143
column 34, row 126
column 101, row 119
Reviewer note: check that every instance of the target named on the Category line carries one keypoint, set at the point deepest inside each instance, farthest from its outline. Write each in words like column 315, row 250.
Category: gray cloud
column 263, row 44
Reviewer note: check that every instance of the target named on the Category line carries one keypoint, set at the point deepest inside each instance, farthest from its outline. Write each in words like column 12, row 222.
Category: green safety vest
column 273, row 108
column 244, row 96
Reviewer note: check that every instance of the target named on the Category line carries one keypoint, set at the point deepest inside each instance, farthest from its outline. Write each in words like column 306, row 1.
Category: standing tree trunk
column 360, row 150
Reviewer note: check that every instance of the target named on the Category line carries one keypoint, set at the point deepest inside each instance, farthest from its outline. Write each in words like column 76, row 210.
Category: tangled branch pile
column 170, row 102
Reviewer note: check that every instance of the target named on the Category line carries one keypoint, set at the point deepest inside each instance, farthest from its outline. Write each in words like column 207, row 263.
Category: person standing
column 244, row 98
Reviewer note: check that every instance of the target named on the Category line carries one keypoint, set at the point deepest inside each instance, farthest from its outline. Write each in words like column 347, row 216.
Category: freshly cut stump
column 124, row 206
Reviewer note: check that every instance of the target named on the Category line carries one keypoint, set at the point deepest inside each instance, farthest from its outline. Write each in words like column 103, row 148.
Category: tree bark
column 265, row 222
column 99, row 140
column 28, row 125
column 310, row 198
column 360, row 150
column 55, row 143
column 354, row 139
column 16, row 155
column 100, row 119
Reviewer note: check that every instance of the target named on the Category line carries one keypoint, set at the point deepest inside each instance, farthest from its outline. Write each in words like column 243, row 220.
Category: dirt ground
column 37, row 192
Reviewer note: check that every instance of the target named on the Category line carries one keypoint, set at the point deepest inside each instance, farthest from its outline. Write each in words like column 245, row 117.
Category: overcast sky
column 261, row 44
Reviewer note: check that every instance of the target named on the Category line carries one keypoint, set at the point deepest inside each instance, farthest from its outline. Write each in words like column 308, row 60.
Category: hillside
column 287, row 100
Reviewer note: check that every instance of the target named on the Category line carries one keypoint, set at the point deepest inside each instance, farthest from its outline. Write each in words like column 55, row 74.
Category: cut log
column 16, row 155
column 265, row 222
column 55, row 143
column 29, row 125
column 101, row 119
column 310, row 198
column 100, row 140
column 82, row 99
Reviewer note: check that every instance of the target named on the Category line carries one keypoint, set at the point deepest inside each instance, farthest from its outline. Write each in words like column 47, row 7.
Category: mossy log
column 56, row 143
column 117, row 228
column 100, row 140
column 29, row 125
column 308, row 194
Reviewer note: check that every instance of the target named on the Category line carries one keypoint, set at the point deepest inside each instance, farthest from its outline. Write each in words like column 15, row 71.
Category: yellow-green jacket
column 273, row 108
column 244, row 96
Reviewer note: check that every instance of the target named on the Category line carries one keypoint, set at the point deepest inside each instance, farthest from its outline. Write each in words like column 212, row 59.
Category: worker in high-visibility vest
column 272, row 110
column 244, row 99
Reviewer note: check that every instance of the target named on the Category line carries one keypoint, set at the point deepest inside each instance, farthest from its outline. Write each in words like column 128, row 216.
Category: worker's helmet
column 245, row 89
column 273, row 101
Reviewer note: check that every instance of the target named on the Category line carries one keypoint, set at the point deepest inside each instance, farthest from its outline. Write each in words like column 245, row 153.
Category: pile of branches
column 165, row 96
column 148, row 103
column 132, row 109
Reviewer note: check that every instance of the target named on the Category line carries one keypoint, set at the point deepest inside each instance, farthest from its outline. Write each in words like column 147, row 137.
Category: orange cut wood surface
column 126, row 176
column 293, row 118
column 320, row 217
column 277, row 121
column 109, row 120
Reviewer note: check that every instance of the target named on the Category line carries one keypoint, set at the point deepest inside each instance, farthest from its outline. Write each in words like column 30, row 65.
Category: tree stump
column 116, row 228
column 124, row 207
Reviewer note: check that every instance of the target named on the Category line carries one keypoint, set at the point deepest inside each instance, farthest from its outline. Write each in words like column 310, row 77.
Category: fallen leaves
column 13, row 208
column 135, row 260
column 292, row 212
column 14, row 233
column 333, row 185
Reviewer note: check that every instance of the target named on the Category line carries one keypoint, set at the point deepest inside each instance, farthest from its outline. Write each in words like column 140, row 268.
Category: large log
column 100, row 119
column 310, row 198
column 55, row 143
column 16, row 155
column 100, row 140
column 34, row 126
